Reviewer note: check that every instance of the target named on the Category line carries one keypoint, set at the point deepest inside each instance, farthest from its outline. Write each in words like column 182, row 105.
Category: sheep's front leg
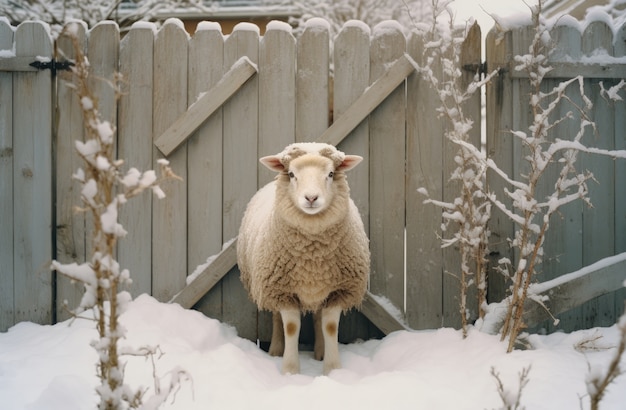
column 277, row 345
column 291, row 327
column 330, row 328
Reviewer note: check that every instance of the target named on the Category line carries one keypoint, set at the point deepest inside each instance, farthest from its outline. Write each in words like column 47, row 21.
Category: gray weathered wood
column 208, row 278
column 500, row 149
column 277, row 94
column 424, row 264
column 169, row 216
column 240, row 116
column 32, row 183
column 601, row 278
column 71, row 236
column 312, row 83
column 6, row 186
column 380, row 316
column 368, row 101
column 351, row 78
column 619, row 50
column 387, row 153
column 134, row 142
column 204, row 106
column 204, row 202
column 17, row 63
column 599, row 221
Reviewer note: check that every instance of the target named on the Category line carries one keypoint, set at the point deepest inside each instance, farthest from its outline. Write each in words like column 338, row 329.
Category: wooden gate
column 214, row 104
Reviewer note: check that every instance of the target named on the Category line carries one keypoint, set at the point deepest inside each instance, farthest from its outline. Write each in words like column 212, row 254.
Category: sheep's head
column 312, row 170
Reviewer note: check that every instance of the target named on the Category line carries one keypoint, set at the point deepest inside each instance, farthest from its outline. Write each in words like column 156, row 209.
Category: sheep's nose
column 311, row 198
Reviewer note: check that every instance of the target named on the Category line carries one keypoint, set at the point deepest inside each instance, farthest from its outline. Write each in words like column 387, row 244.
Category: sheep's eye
column 291, row 175
column 331, row 174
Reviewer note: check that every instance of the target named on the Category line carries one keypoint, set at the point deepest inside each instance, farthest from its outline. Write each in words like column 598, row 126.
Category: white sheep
column 302, row 248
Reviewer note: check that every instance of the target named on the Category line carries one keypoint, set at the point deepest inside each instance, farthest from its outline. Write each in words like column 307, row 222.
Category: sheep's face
column 311, row 170
column 310, row 183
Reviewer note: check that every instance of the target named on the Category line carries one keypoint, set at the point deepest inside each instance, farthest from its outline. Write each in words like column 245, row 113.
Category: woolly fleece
column 290, row 259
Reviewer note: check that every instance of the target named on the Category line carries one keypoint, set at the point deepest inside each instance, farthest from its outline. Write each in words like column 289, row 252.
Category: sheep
column 302, row 248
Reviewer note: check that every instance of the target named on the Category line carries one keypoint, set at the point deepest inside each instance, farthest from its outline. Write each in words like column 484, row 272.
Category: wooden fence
column 264, row 93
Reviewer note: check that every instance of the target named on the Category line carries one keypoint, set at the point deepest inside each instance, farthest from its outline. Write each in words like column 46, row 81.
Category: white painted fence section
column 373, row 104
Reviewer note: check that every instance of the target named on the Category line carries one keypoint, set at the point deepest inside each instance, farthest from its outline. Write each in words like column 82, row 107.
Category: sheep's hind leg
column 291, row 327
column 318, row 348
column 330, row 327
column 277, row 345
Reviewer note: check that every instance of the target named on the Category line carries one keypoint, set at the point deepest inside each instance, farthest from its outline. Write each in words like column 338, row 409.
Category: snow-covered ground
column 53, row 367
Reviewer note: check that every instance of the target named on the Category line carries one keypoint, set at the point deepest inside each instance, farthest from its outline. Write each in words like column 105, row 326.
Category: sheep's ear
column 349, row 162
column 273, row 163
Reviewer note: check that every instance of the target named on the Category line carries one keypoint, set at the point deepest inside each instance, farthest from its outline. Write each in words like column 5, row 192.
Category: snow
column 247, row 27
column 317, row 23
column 209, row 25
column 277, row 25
column 53, row 367
column 358, row 24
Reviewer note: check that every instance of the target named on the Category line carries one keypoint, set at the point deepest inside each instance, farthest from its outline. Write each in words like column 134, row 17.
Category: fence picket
column 32, row 183
column 134, row 142
column 619, row 50
column 351, row 79
column 599, row 221
column 6, row 185
column 277, row 94
column 387, row 200
column 71, row 236
column 206, row 66
column 312, row 82
column 169, row 217
column 240, row 171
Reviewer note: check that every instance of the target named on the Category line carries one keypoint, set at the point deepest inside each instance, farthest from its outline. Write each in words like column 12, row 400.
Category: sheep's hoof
column 329, row 366
column 276, row 349
column 290, row 367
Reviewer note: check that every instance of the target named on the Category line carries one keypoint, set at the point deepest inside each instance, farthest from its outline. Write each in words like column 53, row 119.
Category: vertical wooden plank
column 619, row 50
column 500, row 149
column 564, row 242
column 277, row 111
column 312, row 101
column 71, row 239
column 452, row 276
column 32, row 127
column 6, row 185
column 351, row 78
column 312, row 78
column 134, row 139
column 103, row 55
column 240, row 122
column 424, row 258
column 277, row 93
column 206, row 64
column 599, row 221
column 387, row 153
column 169, row 217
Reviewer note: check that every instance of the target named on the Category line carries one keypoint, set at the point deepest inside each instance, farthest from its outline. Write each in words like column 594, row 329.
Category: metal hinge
column 52, row 65
column 477, row 68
